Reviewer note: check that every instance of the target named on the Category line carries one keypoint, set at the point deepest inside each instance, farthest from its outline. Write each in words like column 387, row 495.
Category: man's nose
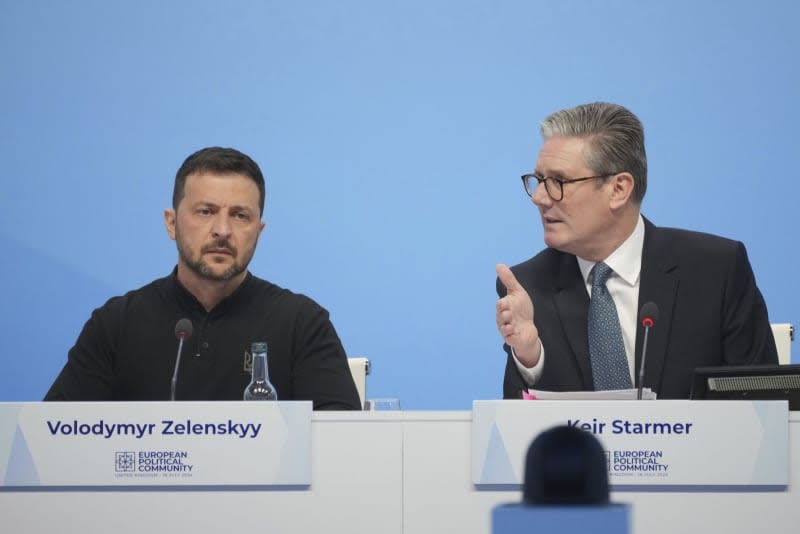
column 540, row 195
column 221, row 226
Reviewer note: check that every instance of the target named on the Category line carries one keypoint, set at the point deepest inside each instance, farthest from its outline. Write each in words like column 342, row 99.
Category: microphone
column 648, row 316
column 183, row 331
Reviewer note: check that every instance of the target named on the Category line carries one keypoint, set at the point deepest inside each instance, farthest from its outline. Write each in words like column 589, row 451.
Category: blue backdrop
column 392, row 135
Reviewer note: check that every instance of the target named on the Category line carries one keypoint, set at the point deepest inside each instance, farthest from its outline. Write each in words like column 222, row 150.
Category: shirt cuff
column 530, row 376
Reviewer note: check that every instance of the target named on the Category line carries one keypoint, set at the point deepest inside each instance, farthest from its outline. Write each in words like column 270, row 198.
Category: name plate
column 647, row 443
column 90, row 444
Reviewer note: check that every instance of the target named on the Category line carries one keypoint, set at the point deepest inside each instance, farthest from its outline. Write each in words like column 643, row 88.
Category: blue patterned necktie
column 607, row 351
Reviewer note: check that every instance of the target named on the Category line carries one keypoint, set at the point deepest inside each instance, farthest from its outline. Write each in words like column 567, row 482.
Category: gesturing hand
column 515, row 319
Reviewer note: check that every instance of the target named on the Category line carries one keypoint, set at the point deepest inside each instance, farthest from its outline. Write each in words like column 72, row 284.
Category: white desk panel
column 439, row 496
column 383, row 473
column 356, row 488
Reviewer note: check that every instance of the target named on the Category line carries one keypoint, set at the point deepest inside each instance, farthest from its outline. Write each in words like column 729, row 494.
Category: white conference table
column 383, row 473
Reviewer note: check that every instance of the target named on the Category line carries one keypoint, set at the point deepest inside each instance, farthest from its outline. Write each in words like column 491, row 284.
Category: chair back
column 359, row 368
column 784, row 335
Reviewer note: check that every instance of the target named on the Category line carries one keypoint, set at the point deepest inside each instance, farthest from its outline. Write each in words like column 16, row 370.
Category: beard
column 202, row 268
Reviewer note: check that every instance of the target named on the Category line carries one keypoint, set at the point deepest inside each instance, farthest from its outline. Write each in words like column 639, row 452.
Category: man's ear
column 621, row 189
column 169, row 222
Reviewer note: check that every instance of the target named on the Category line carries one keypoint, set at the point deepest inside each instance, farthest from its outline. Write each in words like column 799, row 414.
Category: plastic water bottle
column 260, row 388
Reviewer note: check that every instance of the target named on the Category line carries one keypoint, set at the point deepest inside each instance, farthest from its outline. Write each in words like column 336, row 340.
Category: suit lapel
column 572, row 305
column 658, row 284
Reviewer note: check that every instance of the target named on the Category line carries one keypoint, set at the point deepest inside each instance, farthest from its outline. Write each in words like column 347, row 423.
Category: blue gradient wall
column 392, row 135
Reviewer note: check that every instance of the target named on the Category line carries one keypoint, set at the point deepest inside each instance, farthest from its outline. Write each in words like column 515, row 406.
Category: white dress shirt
column 623, row 286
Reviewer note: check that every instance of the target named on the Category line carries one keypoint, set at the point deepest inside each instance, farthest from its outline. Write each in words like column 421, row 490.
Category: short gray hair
column 615, row 135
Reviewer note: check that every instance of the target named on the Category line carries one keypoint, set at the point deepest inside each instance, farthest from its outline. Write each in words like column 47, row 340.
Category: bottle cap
column 258, row 346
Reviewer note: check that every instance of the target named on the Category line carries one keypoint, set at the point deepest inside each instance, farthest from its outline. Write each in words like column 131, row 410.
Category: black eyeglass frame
column 549, row 179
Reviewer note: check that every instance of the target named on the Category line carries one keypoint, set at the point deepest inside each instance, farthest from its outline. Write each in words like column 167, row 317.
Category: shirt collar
column 189, row 301
column 626, row 260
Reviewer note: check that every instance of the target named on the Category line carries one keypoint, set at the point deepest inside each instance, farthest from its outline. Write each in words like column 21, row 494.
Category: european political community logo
column 152, row 463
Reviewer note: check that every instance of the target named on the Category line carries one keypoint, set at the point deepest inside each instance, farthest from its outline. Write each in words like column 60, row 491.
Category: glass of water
column 382, row 404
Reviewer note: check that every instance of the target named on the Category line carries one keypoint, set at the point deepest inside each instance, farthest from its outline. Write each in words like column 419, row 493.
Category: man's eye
column 204, row 211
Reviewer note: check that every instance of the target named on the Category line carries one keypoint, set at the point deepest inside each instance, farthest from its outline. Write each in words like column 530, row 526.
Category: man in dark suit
column 588, row 184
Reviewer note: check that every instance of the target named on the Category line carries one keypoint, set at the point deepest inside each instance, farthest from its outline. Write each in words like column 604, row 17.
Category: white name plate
column 647, row 443
column 86, row 444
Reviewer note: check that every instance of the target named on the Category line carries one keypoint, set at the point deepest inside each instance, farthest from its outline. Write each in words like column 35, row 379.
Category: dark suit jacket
column 710, row 313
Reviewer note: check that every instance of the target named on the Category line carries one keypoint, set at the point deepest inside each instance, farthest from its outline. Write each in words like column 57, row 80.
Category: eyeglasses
column 554, row 186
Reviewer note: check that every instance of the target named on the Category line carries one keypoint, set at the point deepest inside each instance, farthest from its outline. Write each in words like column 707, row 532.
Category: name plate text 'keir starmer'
column 668, row 443
column 108, row 444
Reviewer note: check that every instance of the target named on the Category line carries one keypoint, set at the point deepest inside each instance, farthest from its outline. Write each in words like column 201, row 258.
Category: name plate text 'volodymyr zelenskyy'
column 165, row 427
column 224, row 444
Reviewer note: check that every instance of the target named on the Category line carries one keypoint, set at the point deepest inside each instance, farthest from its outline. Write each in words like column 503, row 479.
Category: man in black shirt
column 126, row 350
